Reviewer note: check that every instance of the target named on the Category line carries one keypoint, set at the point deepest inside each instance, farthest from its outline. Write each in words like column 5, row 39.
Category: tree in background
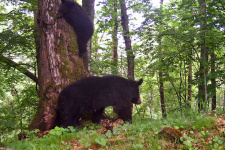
column 161, row 84
column 88, row 6
column 115, row 37
column 188, row 37
column 126, row 35
column 202, row 86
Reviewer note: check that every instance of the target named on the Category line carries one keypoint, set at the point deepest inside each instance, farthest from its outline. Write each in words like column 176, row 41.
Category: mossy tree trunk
column 57, row 59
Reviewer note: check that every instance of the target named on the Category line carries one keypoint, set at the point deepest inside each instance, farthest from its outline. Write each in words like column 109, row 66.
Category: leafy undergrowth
column 199, row 132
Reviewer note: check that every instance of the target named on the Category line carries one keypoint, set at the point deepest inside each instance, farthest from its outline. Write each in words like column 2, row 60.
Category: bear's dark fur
column 124, row 113
column 75, row 15
column 94, row 94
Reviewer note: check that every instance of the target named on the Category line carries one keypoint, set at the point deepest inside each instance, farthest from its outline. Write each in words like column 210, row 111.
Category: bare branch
column 19, row 68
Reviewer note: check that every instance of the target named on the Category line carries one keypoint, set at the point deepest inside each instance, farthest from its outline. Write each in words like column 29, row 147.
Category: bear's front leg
column 98, row 115
column 70, row 119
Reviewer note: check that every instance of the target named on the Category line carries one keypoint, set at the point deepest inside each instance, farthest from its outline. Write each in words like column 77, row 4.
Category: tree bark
column 161, row 83
column 115, row 38
column 202, row 90
column 128, row 47
column 162, row 99
column 88, row 6
column 213, row 80
column 189, row 85
column 57, row 60
column 223, row 90
column 126, row 35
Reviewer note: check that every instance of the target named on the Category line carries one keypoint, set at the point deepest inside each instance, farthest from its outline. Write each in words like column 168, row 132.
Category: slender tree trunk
column 161, row 92
column 88, row 6
column 126, row 35
column 161, row 84
column 202, row 82
column 115, row 38
column 202, row 90
column 128, row 47
column 189, row 85
column 223, row 89
column 58, row 64
column 213, row 80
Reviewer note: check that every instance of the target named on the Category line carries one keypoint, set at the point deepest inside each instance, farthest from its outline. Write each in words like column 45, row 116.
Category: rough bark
column 88, row 6
column 126, row 35
column 58, row 64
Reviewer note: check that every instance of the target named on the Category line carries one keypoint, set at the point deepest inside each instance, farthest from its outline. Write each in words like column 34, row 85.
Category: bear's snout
column 139, row 100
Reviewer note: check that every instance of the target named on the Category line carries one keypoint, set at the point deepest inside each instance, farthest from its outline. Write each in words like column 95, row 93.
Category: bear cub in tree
column 93, row 94
column 76, row 16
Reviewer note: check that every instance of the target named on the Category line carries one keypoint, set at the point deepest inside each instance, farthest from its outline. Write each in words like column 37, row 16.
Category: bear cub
column 76, row 16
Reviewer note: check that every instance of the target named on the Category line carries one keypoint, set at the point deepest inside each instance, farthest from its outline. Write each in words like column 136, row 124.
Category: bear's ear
column 139, row 82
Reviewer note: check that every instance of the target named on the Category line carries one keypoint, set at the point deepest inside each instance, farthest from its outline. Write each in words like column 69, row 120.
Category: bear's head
column 135, row 91
column 66, row 6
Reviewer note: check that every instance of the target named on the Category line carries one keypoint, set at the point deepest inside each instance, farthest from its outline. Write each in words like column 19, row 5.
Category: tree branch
column 19, row 68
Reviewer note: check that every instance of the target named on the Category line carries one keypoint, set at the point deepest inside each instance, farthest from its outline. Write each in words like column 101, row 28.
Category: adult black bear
column 75, row 15
column 94, row 94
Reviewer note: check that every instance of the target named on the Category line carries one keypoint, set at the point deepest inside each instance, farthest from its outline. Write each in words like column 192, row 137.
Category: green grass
column 141, row 134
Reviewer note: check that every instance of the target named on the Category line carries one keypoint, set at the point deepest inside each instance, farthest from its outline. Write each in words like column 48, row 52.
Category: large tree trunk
column 126, row 35
column 57, row 59
column 88, row 6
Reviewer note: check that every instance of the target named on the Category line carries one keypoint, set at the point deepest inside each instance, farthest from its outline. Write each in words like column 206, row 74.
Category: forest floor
column 192, row 138
column 193, row 132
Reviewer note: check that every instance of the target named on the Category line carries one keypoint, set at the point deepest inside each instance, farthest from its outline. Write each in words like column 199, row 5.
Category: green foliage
column 141, row 134
column 58, row 131
column 101, row 141
column 18, row 94
column 108, row 134
column 176, row 25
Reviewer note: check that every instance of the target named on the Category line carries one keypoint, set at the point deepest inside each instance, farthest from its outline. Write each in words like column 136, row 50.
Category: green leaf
column 108, row 134
column 189, row 144
column 101, row 141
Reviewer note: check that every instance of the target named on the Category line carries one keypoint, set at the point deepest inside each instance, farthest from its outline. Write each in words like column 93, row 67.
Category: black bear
column 75, row 16
column 93, row 94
